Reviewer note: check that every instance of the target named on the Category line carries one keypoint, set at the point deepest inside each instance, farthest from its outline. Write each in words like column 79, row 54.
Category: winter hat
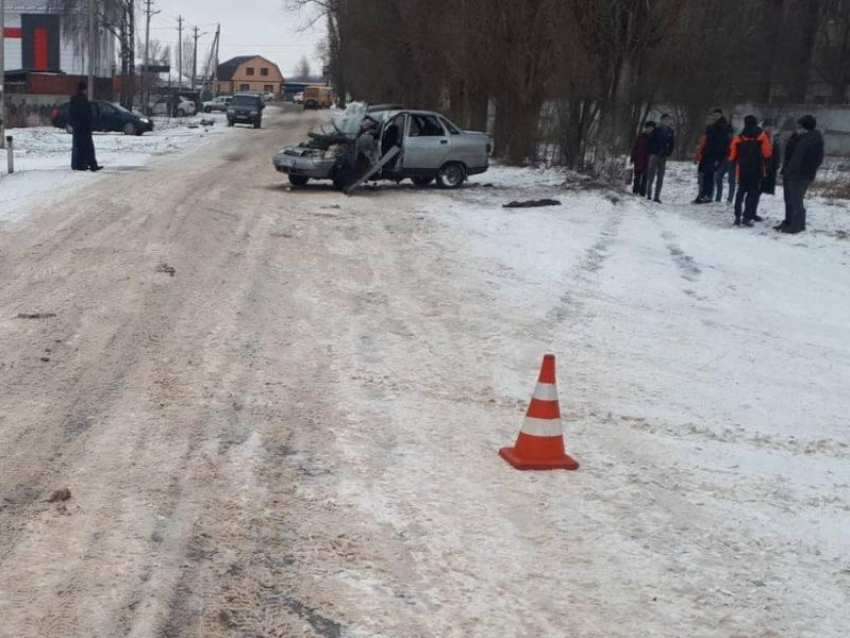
column 751, row 120
column 649, row 124
column 808, row 122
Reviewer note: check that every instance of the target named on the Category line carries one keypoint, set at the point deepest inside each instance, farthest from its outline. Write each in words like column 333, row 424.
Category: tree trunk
column 811, row 19
column 774, row 11
column 516, row 129
column 477, row 105
column 840, row 77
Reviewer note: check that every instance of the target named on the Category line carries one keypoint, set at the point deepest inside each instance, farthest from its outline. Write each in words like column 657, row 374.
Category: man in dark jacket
column 750, row 151
column 660, row 146
column 710, row 155
column 803, row 158
column 640, row 158
column 80, row 118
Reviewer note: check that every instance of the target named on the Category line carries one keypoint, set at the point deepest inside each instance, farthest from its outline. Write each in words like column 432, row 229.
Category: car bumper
column 314, row 168
column 242, row 118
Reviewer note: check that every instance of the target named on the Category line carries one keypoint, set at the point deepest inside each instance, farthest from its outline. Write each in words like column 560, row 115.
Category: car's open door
column 392, row 136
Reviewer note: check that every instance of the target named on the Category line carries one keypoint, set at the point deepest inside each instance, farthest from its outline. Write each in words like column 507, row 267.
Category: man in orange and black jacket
column 751, row 150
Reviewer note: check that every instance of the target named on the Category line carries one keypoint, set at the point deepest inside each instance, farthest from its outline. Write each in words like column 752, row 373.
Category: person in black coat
column 81, row 121
column 803, row 157
column 714, row 145
column 659, row 146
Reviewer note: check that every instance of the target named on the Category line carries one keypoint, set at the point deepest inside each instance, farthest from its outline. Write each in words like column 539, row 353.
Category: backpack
column 750, row 159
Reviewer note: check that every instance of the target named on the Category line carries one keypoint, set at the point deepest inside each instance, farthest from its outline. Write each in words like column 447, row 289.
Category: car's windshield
column 349, row 122
column 118, row 107
column 244, row 100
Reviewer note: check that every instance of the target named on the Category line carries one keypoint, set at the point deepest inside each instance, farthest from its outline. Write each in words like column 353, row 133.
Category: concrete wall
column 30, row 110
column 833, row 121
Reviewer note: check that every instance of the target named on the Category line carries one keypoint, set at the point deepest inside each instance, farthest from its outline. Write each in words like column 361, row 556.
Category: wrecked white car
column 429, row 147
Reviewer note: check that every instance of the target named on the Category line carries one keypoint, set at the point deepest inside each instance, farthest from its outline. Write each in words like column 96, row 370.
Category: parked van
column 318, row 97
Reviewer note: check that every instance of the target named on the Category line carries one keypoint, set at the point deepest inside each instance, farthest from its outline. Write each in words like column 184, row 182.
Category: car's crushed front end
column 304, row 161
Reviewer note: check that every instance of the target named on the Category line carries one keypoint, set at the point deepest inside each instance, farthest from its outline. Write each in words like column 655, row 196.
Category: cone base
column 511, row 456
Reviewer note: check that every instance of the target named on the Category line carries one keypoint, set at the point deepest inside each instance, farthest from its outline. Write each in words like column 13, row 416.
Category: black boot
column 737, row 221
column 748, row 223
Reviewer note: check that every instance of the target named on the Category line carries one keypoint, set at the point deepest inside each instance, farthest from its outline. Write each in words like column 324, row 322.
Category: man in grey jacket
column 803, row 157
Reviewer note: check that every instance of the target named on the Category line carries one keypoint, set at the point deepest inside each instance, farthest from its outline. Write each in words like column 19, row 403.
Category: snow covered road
column 296, row 434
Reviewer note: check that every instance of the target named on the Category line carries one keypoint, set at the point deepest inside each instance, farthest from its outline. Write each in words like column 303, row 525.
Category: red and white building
column 36, row 43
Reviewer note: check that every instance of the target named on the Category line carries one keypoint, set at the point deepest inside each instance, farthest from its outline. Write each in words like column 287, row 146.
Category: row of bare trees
column 584, row 72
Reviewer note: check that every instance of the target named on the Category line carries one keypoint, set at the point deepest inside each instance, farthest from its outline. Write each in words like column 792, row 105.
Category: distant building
column 43, row 63
column 249, row 73
column 37, row 43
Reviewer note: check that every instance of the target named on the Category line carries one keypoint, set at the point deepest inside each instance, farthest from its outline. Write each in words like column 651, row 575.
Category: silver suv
column 432, row 147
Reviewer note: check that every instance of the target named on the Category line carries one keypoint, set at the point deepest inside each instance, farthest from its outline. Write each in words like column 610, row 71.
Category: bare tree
column 302, row 70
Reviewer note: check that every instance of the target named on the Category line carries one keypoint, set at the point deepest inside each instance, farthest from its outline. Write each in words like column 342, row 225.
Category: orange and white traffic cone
column 540, row 444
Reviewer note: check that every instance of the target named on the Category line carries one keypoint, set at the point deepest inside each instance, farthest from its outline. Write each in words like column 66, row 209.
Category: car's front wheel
column 207, row 109
column 230, row 122
column 258, row 123
column 422, row 181
column 298, row 180
column 130, row 129
column 452, row 175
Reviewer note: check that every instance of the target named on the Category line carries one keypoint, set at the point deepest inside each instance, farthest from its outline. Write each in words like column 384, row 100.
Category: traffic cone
column 540, row 444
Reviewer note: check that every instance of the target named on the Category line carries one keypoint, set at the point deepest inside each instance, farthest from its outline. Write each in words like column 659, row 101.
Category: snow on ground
column 43, row 156
column 703, row 374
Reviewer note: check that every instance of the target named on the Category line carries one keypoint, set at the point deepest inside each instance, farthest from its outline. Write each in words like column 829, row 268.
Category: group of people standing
column 751, row 161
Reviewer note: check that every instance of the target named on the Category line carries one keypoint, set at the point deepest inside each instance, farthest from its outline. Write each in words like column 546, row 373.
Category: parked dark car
column 246, row 108
column 108, row 117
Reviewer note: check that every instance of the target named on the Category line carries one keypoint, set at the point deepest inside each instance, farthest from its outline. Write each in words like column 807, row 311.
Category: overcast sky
column 261, row 27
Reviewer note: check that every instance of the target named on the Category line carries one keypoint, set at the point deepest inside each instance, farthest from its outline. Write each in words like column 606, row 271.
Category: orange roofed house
column 249, row 73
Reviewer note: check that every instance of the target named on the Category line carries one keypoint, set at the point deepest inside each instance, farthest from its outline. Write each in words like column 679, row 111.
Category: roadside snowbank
column 702, row 373
column 43, row 157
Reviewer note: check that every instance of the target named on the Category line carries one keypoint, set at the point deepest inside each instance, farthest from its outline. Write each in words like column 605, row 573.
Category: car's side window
column 105, row 109
column 451, row 128
column 425, row 126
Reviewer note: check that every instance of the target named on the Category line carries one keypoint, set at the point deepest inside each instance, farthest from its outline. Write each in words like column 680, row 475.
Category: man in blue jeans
column 660, row 146
column 803, row 157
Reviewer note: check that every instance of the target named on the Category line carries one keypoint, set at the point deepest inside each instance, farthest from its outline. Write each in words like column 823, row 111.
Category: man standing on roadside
column 712, row 149
column 80, row 118
column 750, row 151
column 660, row 146
column 803, row 158
column 640, row 158
column 768, row 186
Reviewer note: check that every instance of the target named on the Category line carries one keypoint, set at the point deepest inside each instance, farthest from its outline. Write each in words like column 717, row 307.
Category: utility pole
column 149, row 13
column 215, row 62
column 180, row 51
column 195, row 57
column 2, row 74
column 92, row 48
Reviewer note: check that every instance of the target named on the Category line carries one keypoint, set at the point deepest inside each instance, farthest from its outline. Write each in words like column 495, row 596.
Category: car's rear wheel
column 130, row 129
column 298, row 180
column 422, row 181
column 452, row 175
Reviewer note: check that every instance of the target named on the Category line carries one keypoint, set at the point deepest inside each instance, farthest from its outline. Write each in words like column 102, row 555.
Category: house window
column 250, row 70
column 264, row 71
column 244, row 87
column 269, row 88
